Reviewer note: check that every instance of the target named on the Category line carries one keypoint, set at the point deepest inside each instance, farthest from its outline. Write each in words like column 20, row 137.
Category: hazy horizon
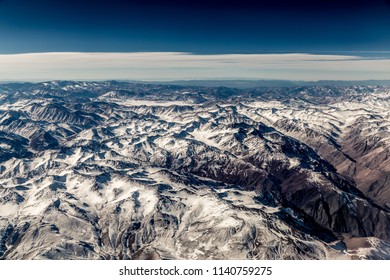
column 171, row 66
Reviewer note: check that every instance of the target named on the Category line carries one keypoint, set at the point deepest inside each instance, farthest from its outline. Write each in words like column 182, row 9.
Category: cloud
column 177, row 65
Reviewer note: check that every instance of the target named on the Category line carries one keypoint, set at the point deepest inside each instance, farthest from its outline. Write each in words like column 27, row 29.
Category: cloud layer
column 176, row 66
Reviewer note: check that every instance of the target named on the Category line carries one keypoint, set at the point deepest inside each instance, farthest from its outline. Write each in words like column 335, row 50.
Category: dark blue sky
column 198, row 26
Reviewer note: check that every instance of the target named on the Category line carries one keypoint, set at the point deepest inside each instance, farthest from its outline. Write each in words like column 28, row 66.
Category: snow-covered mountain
column 116, row 170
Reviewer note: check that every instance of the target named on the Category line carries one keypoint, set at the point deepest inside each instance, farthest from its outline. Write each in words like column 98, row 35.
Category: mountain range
column 121, row 170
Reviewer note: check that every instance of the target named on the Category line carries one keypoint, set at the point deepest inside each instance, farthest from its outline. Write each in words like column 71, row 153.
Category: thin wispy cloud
column 176, row 65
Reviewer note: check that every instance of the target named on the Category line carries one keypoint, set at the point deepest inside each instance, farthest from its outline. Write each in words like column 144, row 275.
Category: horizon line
column 170, row 66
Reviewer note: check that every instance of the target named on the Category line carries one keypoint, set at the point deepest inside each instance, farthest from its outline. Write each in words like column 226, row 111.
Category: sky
column 350, row 39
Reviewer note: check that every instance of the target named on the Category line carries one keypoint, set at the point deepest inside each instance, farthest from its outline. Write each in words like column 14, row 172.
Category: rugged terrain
column 116, row 170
